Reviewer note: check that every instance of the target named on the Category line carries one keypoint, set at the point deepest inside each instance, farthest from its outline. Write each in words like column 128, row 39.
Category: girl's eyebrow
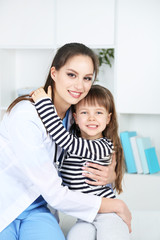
column 88, row 74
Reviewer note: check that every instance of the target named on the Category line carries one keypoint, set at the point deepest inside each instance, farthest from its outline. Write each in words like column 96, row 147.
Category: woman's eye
column 72, row 75
column 88, row 78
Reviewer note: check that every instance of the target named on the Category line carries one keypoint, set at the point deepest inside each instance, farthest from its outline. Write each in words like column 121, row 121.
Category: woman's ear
column 53, row 73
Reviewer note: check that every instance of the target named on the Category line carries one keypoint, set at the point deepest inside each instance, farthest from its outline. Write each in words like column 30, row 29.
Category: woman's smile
column 75, row 94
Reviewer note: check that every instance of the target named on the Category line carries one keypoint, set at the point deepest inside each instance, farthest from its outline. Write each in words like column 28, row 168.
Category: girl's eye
column 88, row 78
column 83, row 112
column 72, row 75
column 99, row 113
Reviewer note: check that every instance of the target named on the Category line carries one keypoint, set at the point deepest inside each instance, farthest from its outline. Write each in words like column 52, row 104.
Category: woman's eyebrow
column 88, row 74
column 69, row 69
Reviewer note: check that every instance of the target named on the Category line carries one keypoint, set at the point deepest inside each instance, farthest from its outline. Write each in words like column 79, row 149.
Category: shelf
column 146, row 125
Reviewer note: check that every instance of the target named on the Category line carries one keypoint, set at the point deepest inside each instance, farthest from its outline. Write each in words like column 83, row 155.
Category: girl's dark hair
column 103, row 97
column 62, row 56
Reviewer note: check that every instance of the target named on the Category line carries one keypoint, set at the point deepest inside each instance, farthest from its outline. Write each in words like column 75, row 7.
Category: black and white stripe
column 79, row 151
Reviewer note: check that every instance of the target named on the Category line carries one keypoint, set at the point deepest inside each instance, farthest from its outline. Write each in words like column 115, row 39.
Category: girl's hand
column 40, row 93
column 101, row 174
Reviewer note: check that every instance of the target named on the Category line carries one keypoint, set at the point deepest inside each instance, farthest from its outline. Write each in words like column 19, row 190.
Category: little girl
column 95, row 133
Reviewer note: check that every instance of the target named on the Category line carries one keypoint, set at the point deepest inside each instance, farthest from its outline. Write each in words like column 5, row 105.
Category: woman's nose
column 79, row 83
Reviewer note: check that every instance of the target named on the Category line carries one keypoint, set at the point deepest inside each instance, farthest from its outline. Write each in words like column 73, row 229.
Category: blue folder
column 127, row 149
column 152, row 160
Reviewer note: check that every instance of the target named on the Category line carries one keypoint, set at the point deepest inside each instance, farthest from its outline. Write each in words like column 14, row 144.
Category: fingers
column 130, row 228
column 38, row 94
column 95, row 168
column 95, row 174
column 102, row 174
column 96, row 183
column 37, row 91
column 127, row 216
column 31, row 93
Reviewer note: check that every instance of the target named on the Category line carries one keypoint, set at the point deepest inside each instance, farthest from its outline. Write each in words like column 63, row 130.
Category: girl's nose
column 91, row 117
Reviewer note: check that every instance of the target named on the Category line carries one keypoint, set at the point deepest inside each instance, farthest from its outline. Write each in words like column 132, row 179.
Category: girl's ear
column 75, row 117
column 109, row 118
column 53, row 73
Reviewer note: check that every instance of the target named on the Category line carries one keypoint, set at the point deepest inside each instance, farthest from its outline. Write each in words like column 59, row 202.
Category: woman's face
column 73, row 80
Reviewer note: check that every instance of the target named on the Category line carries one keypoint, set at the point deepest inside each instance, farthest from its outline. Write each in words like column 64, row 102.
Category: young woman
column 28, row 178
column 96, row 123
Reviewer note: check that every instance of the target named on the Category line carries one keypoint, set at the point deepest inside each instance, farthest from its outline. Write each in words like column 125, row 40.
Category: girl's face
column 92, row 120
column 73, row 80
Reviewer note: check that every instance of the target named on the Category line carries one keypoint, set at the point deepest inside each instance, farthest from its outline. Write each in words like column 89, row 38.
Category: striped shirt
column 78, row 151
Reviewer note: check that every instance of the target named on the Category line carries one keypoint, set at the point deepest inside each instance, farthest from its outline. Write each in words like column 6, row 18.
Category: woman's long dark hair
column 62, row 56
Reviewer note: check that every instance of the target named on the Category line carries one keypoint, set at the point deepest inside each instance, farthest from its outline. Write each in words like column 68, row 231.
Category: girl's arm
column 91, row 149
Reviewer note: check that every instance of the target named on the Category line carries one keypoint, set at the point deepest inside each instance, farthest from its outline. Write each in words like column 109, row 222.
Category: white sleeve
column 27, row 139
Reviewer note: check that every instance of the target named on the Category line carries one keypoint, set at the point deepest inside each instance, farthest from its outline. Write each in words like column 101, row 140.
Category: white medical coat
column 27, row 170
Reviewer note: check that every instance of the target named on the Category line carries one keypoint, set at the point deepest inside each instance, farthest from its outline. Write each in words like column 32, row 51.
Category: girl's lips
column 75, row 94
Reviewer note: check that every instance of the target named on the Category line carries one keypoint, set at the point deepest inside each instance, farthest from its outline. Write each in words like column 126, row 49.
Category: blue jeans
column 38, row 224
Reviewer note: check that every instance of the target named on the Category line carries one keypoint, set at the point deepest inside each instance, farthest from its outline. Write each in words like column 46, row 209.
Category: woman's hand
column 125, row 214
column 117, row 206
column 40, row 93
column 101, row 174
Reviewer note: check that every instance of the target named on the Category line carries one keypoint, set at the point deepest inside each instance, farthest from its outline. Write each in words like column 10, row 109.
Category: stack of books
column 140, row 155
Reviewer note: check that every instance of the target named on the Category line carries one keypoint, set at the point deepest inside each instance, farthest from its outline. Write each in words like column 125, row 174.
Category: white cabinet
column 27, row 23
column 138, row 56
column 89, row 22
column 51, row 23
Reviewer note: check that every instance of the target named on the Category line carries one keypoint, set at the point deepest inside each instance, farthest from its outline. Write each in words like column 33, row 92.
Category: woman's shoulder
column 24, row 108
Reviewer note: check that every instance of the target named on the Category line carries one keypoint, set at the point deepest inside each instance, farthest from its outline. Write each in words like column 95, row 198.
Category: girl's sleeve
column 31, row 146
column 92, row 149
